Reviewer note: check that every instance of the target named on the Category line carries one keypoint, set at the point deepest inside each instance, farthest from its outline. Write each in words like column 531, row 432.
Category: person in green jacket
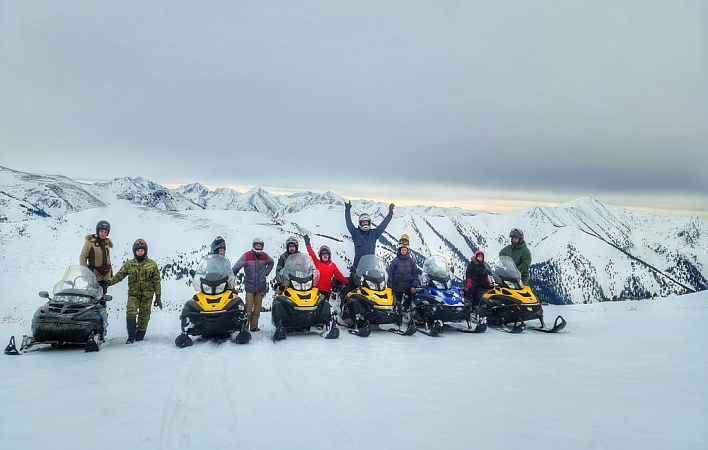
column 143, row 282
column 520, row 253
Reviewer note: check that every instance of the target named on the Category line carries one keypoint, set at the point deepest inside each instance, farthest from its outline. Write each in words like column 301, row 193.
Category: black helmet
column 140, row 244
column 364, row 218
column 103, row 225
column 324, row 249
column 515, row 232
column 218, row 243
column 255, row 242
column 291, row 240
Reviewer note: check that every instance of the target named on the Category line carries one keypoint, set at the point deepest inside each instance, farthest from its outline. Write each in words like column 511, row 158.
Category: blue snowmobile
column 437, row 302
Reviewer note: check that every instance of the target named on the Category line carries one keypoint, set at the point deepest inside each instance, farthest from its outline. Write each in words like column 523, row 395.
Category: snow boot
column 139, row 335
column 131, row 324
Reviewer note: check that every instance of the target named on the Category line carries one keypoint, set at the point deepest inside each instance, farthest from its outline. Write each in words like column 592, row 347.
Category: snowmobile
column 437, row 302
column 510, row 304
column 370, row 302
column 75, row 315
column 215, row 311
column 301, row 306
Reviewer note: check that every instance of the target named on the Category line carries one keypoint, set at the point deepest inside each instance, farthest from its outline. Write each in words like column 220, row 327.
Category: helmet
column 324, row 249
column 103, row 225
column 255, row 242
column 292, row 240
column 479, row 253
column 365, row 218
column 218, row 243
column 515, row 232
column 140, row 244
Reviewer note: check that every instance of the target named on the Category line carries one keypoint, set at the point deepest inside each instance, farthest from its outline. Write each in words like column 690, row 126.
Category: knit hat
column 403, row 241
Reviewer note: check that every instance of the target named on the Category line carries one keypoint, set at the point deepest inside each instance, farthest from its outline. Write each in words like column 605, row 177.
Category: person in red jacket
column 327, row 268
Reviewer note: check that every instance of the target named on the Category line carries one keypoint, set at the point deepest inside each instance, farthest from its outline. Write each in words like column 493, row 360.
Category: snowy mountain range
column 583, row 250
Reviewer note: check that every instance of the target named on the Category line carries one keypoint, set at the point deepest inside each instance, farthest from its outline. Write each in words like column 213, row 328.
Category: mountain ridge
column 583, row 250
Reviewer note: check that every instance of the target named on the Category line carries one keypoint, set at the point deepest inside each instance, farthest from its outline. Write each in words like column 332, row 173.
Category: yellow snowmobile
column 371, row 302
column 301, row 306
column 509, row 304
column 215, row 311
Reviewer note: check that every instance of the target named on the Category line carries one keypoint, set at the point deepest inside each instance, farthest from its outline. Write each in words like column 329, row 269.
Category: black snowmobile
column 215, row 311
column 510, row 304
column 301, row 306
column 370, row 302
column 437, row 302
column 76, row 315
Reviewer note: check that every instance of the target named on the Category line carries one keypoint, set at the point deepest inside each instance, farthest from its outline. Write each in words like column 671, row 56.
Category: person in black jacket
column 478, row 279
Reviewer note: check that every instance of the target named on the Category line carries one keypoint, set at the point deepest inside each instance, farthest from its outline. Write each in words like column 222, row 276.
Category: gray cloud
column 530, row 97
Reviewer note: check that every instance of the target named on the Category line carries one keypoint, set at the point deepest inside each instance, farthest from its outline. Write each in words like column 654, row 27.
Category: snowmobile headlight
column 211, row 287
column 71, row 298
column 301, row 284
column 438, row 284
column 375, row 280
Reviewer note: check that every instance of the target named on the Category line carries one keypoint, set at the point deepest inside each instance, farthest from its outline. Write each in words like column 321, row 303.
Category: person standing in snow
column 403, row 274
column 96, row 254
column 520, row 253
column 364, row 236
column 143, row 282
column 256, row 265
column 477, row 277
column 291, row 247
column 327, row 268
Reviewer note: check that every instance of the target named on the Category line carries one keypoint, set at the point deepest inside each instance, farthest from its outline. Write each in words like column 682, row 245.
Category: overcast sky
column 482, row 104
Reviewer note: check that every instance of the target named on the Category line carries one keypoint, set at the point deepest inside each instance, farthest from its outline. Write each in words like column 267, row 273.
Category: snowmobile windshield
column 506, row 273
column 436, row 273
column 300, row 273
column 213, row 275
column 372, row 272
column 78, row 285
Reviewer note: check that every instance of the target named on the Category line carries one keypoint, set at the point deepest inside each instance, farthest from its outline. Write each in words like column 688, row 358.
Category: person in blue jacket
column 364, row 236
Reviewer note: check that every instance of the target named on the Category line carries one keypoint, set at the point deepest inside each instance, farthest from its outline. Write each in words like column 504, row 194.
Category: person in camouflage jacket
column 143, row 282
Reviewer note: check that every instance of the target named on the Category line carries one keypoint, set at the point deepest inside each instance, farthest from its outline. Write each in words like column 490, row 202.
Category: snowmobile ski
column 410, row 329
column 558, row 325
column 11, row 349
column 280, row 334
column 242, row 337
column 472, row 327
column 91, row 345
column 332, row 333
column 361, row 332
column 435, row 330
column 183, row 341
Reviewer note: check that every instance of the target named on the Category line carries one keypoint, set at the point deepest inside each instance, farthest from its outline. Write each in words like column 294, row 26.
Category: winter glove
column 470, row 284
column 490, row 282
column 390, row 208
column 267, row 288
column 157, row 302
column 347, row 206
column 307, row 239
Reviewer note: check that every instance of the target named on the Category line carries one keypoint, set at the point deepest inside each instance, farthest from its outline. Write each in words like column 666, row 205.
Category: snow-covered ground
column 622, row 375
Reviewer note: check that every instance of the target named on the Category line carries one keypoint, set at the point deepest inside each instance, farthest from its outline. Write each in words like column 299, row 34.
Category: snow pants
column 254, row 304
column 139, row 308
